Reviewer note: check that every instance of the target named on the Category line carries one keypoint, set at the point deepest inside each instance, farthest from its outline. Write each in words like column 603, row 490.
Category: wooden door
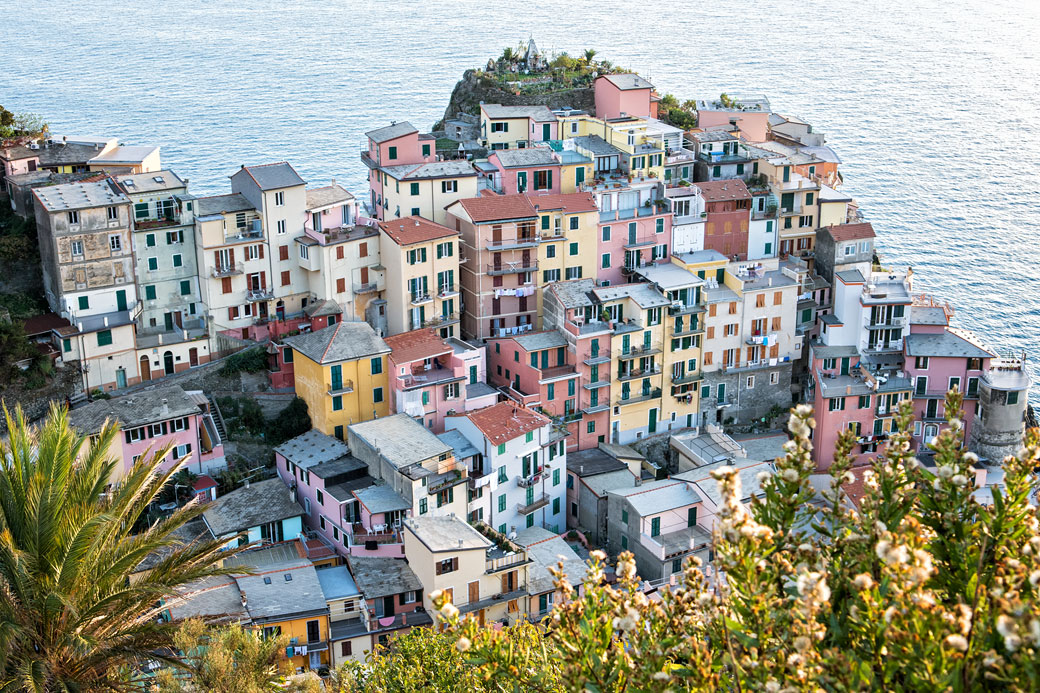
column 474, row 591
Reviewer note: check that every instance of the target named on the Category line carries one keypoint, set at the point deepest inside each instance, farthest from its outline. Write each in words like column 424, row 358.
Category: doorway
column 193, row 357
column 120, row 378
column 146, row 368
column 168, row 362
column 121, row 299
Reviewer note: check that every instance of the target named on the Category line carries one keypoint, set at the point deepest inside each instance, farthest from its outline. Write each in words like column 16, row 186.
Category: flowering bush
column 919, row 589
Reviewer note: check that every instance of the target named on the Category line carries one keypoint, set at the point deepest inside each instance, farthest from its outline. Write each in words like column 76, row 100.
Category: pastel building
column 526, row 459
column 688, row 217
column 396, row 144
column 339, row 255
column 534, row 169
column 341, row 372
column 392, row 599
column 86, row 252
column 624, row 94
column 431, row 376
column 477, row 576
column 747, row 113
column 421, row 260
column 348, row 636
column 151, row 418
column 264, row 512
column 727, row 206
column 721, row 156
column 515, row 127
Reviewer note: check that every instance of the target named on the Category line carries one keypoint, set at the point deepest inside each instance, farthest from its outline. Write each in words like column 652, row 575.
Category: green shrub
column 250, row 360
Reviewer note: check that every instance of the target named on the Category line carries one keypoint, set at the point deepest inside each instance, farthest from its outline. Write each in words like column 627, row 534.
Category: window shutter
column 261, row 247
column 263, row 280
column 231, row 255
column 455, row 563
column 216, row 258
column 226, row 285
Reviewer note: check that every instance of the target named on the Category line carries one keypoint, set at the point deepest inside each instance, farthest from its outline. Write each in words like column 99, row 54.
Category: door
column 168, row 321
column 263, row 309
column 121, row 299
column 472, row 375
column 146, row 368
column 388, row 606
column 721, row 393
column 313, row 631
column 546, row 132
column 168, row 362
column 193, row 357
column 474, row 592
column 120, row 378
column 652, row 423
column 315, row 659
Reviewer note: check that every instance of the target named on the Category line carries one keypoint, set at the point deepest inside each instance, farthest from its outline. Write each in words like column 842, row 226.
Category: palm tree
column 71, row 618
column 509, row 56
column 588, row 55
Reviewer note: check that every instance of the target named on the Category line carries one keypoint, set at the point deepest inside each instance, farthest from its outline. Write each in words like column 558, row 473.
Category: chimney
column 244, row 600
column 460, row 542
column 165, row 406
column 245, row 483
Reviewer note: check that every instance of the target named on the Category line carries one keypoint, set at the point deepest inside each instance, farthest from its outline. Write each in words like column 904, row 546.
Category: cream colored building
column 425, row 189
column 479, row 577
column 421, row 260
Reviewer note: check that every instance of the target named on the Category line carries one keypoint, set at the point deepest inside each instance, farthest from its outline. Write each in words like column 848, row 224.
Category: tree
column 587, row 56
column 225, row 659
column 289, row 423
column 71, row 619
column 918, row 587
column 509, row 56
column 19, row 124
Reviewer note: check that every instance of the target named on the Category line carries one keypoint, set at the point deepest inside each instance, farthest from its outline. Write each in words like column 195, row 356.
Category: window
column 573, row 249
column 423, row 506
column 115, row 243
column 836, row 404
column 377, row 395
column 377, row 365
column 185, row 287
column 104, row 338
column 655, row 527
column 449, row 186
column 279, row 199
column 529, row 437
column 550, row 275
column 448, row 565
column 1012, row 397
column 921, row 363
column 624, row 542
column 864, row 401
column 426, row 150
column 606, row 233
column 750, row 385
column 281, row 228
column 502, row 503
column 391, row 153
column 542, row 180
column 73, row 217
column 591, row 427
column 502, row 449
column 337, row 403
column 556, row 477
column 556, row 506
column 502, row 478
column 149, row 293
column 573, row 272
column 177, row 261
column 499, row 127
column 624, row 516
column 574, row 223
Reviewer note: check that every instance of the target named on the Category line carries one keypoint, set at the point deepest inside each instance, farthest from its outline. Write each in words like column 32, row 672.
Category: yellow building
column 421, row 261
column 799, row 205
column 479, row 578
column 515, row 127
column 424, row 190
column 567, row 225
column 341, row 372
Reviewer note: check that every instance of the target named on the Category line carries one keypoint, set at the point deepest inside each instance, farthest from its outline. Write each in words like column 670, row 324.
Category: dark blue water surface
column 932, row 105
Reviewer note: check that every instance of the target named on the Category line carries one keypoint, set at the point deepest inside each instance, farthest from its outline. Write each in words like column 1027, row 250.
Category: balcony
column 596, row 408
column 513, row 243
column 557, row 372
column 680, row 308
column 342, row 388
column 639, row 350
column 434, row 376
column 597, row 358
column 359, row 534
column 367, row 160
column 226, row 270
column 593, row 385
column 664, row 546
column 367, row 288
column 438, row 320
column 251, row 231
column 686, row 378
column 447, row 291
column 495, row 562
column 420, row 299
column 540, row 501
column 644, row 240
column 149, row 224
column 532, row 479
column 255, row 295
column 450, row 478
column 688, row 331
column 761, row 337
column 891, row 323
column 655, row 393
column 512, row 267
column 639, row 373
column 679, row 156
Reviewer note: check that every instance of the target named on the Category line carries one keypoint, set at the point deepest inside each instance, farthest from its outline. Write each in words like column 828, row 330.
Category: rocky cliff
column 474, row 88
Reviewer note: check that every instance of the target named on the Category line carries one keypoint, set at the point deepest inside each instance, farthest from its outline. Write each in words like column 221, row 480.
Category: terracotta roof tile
column 857, row 489
column 506, row 421
column 498, row 208
column 414, row 345
column 851, row 232
column 413, row 229
column 718, row 190
column 571, row 203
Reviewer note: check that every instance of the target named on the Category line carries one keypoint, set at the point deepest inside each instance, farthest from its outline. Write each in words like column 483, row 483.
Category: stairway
column 218, row 420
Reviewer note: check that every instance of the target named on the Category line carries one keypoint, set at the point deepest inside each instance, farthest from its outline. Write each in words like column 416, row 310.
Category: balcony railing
column 601, row 357
column 419, row 299
column 493, row 565
column 589, row 384
column 367, row 288
column 243, row 233
column 255, row 295
column 226, row 270
column 540, row 501
column 596, row 408
column 639, row 373
column 441, row 319
column 638, row 350
column 512, row 267
column 447, row 291
column 891, row 323
column 532, row 479
column 686, row 378
column 511, row 243
column 342, row 388
column 655, row 393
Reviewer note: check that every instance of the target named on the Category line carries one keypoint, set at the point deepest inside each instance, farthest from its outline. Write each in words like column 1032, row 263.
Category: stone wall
column 747, row 405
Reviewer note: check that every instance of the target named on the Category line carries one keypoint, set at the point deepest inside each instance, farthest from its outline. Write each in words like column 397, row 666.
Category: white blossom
column 957, row 642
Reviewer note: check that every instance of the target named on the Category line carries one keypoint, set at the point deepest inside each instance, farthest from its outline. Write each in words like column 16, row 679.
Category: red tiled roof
column 855, row 490
column 204, row 482
column 415, row 345
column 505, row 421
column 498, row 208
column 38, row 324
column 718, row 190
column 571, row 203
column 411, row 230
column 851, row 232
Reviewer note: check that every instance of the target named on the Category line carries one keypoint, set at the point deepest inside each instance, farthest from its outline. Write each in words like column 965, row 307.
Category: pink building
column 534, row 169
column 750, row 114
column 17, row 160
column 627, row 94
column 394, row 145
column 939, row 358
column 727, row 206
column 154, row 417
column 432, row 377
column 538, row 371
column 333, row 486
column 630, row 239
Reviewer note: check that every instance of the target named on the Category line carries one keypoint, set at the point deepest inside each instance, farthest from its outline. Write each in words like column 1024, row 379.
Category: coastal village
column 535, row 335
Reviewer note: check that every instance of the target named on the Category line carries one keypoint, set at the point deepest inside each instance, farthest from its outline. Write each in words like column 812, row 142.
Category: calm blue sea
column 932, row 105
